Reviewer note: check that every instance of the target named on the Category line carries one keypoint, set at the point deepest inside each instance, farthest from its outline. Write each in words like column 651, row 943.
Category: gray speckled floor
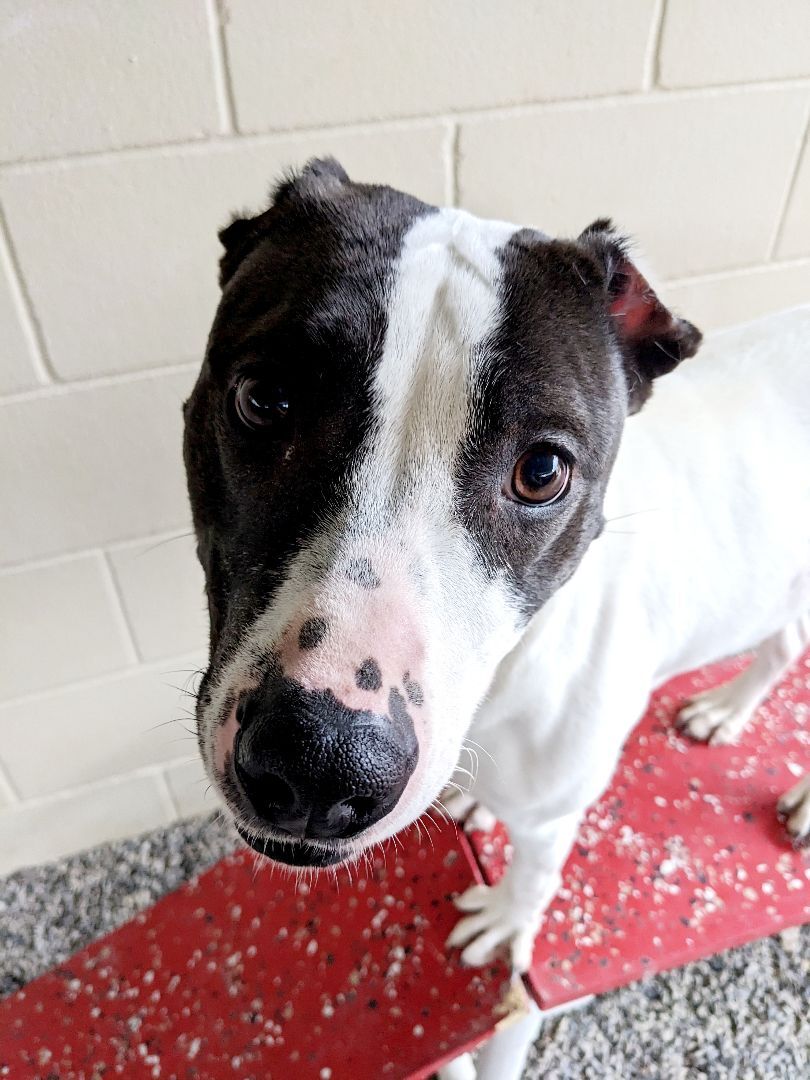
column 744, row 1014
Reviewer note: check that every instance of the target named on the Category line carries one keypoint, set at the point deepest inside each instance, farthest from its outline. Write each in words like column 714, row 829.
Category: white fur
column 706, row 553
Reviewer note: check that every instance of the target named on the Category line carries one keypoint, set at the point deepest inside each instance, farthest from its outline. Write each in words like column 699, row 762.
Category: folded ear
column 318, row 179
column 653, row 341
column 238, row 238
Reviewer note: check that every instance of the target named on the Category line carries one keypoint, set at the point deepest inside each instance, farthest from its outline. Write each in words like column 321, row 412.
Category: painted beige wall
column 131, row 128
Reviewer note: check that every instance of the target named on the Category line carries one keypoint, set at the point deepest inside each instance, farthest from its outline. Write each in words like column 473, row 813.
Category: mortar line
column 223, row 81
column 154, row 770
column 157, row 668
column 112, row 587
column 790, row 187
column 399, row 123
column 152, row 540
column 652, row 58
column 169, row 800
column 740, row 271
column 8, row 789
column 451, row 162
column 99, row 382
column 21, row 298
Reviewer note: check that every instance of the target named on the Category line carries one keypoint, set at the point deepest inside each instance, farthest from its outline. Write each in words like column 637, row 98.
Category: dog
column 405, row 449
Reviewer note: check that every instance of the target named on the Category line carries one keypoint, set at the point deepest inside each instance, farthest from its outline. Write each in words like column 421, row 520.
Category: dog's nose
column 315, row 769
column 302, row 813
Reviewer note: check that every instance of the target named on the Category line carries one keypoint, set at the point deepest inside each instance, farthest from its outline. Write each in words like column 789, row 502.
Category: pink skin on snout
column 223, row 740
column 360, row 644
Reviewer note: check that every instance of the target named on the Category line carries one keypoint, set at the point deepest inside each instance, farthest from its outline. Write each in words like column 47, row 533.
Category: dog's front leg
column 467, row 811
column 795, row 806
column 508, row 915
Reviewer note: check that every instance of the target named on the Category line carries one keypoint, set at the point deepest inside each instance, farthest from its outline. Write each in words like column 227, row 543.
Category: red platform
column 249, row 974
column 684, row 855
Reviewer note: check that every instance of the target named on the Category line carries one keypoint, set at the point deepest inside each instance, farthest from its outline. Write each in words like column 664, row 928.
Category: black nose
column 315, row 769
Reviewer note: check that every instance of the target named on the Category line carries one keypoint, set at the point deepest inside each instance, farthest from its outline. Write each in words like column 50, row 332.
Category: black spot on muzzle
column 368, row 676
column 362, row 573
column 312, row 633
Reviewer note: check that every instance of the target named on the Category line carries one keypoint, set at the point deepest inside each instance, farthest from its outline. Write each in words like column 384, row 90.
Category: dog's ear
column 238, row 239
column 319, row 178
column 653, row 341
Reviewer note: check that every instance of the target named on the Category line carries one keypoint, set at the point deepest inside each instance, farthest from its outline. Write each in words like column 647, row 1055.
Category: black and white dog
column 402, row 445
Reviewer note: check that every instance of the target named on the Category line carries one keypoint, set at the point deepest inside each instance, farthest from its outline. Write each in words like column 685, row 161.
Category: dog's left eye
column 260, row 403
column 541, row 476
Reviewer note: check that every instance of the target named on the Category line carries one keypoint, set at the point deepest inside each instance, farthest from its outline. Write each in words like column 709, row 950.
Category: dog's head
column 397, row 449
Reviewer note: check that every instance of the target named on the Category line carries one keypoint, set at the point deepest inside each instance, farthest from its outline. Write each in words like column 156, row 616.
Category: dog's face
column 397, row 449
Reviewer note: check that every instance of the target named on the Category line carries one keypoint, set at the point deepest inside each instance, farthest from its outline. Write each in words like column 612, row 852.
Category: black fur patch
column 556, row 375
column 312, row 633
column 413, row 690
column 304, row 306
column 397, row 709
column 263, row 664
column 226, row 709
column 368, row 676
column 362, row 573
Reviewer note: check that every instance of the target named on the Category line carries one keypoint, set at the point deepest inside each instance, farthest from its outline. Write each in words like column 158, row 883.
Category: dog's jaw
column 295, row 853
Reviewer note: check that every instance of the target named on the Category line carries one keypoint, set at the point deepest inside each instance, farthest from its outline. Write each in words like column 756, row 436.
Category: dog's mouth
column 297, row 853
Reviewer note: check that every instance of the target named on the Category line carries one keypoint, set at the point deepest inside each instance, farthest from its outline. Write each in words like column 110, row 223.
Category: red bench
column 254, row 973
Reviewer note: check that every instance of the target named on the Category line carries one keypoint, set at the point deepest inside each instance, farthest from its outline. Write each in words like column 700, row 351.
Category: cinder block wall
column 129, row 130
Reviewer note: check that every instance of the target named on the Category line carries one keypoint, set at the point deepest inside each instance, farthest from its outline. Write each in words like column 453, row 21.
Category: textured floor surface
column 743, row 1014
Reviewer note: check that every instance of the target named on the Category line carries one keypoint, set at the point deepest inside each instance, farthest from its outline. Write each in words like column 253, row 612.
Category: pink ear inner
column 641, row 313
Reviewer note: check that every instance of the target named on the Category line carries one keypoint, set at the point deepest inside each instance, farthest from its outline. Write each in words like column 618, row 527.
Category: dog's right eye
column 260, row 403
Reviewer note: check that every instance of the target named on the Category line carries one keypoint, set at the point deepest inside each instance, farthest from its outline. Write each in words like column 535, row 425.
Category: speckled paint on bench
column 248, row 974
column 684, row 855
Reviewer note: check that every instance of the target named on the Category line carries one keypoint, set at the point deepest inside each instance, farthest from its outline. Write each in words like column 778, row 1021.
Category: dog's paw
column 480, row 818
column 494, row 921
column 456, row 803
column 460, row 1068
column 716, row 716
column 795, row 806
column 466, row 811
